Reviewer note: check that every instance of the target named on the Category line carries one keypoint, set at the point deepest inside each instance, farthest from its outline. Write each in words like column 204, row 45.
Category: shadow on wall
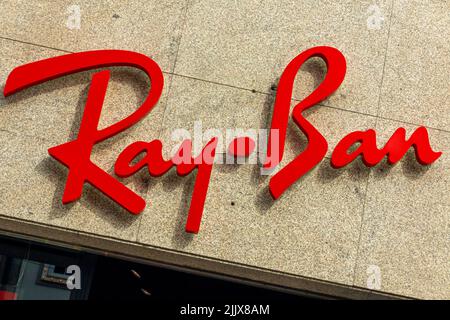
column 297, row 142
column 56, row 172
column 141, row 182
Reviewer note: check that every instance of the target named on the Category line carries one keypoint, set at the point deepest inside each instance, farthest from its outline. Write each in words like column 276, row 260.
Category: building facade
column 354, row 232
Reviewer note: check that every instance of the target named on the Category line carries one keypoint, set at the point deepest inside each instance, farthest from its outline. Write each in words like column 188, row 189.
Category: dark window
column 30, row 271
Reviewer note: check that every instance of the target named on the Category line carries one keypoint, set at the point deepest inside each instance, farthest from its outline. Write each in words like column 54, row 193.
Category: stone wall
column 334, row 230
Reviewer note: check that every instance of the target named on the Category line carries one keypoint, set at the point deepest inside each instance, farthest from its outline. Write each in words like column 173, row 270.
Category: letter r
column 76, row 154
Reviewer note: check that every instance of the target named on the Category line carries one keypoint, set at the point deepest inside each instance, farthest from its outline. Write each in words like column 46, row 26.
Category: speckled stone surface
column 48, row 115
column 406, row 224
column 270, row 34
column 207, row 106
column 415, row 86
column 152, row 28
column 227, row 57
column 199, row 106
column 32, row 185
column 312, row 230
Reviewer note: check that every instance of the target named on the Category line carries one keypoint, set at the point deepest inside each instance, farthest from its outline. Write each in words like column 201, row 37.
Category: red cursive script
column 76, row 154
column 317, row 146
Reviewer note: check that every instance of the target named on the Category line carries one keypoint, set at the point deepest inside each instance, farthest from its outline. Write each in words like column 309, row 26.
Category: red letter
column 76, row 154
column 153, row 159
column 317, row 146
column 157, row 166
column 395, row 148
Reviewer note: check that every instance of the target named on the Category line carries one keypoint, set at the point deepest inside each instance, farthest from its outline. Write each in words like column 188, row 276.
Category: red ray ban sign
column 76, row 154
